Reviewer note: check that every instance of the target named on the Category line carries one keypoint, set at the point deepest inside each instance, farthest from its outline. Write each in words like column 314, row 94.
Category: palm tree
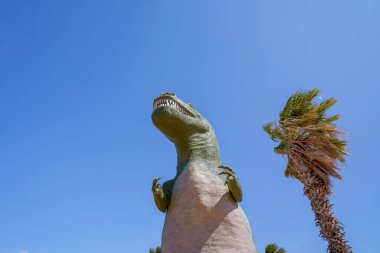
column 313, row 145
column 273, row 248
column 158, row 250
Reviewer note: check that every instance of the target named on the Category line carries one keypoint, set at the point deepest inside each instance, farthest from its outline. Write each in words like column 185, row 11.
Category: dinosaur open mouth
column 169, row 102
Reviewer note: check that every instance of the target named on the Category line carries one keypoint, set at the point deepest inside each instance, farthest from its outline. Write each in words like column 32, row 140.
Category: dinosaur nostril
column 168, row 94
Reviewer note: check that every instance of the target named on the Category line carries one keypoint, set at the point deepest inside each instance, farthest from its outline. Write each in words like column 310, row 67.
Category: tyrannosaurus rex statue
column 203, row 214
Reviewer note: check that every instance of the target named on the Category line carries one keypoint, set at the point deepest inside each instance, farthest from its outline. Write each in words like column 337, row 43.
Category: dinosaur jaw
column 172, row 103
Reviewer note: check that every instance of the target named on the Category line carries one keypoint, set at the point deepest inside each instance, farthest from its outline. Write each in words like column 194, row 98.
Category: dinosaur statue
column 203, row 214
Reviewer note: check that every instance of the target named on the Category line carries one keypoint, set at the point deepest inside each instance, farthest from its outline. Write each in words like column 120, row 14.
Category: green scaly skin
column 195, row 141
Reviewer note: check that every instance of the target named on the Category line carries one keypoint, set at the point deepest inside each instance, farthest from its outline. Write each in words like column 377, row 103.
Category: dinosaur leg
column 233, row 183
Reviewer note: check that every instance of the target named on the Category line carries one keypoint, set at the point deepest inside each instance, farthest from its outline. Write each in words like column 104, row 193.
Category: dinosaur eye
column 192, row 106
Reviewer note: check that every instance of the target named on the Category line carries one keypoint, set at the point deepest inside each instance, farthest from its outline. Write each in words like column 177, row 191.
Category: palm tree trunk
column 330, row 228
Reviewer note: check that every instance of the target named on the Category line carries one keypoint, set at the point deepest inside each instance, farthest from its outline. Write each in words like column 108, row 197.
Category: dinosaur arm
column 162, row 194
column 235, row 188
column 160, row 199
column 233, row 183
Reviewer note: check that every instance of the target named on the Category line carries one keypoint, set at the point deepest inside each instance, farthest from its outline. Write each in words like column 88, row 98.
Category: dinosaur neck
column 198, row 148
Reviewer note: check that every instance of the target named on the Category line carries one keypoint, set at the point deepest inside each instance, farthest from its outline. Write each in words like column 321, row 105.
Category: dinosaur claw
column 156, row 180
column 155, row 184
column 228, row 173
column 226, row 167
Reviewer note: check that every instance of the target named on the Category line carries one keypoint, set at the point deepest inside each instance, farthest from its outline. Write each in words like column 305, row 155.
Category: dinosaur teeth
column 169, row 102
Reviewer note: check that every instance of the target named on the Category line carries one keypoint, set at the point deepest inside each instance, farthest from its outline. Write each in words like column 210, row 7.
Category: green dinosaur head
column 177, row 119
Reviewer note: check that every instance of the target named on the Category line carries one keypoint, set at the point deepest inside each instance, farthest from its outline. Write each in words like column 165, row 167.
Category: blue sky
column 78, row 148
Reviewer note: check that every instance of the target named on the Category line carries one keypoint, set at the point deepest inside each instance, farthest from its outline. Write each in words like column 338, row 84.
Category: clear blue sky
column 79, row 151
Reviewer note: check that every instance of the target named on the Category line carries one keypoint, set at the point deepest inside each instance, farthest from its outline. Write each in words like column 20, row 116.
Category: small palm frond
column 273, row 248
column 158, row 250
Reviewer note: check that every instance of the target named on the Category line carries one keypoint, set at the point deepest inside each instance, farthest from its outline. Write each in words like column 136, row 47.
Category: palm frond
column 307, row 135
column 157, row 250
column 273, row 248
